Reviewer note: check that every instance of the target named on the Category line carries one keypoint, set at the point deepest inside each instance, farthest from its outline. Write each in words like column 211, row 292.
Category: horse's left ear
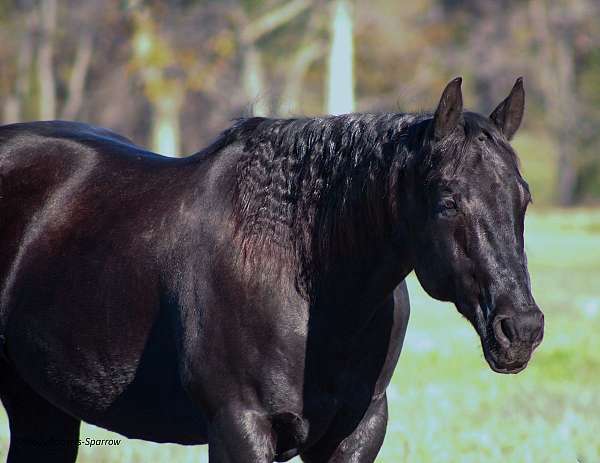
column 449, row 110
column 509, row 114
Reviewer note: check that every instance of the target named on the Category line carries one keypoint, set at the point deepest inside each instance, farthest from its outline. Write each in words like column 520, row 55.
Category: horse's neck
column 323, row 208
column 371, row 252
column 355, row 291
column 364, row 276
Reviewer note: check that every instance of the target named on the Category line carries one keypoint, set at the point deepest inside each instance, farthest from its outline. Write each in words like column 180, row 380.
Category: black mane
column 309, row 181
column 313, row 181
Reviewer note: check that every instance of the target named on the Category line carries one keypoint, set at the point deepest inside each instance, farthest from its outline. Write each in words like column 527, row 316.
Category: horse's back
column 52, row 175
column 27, row 135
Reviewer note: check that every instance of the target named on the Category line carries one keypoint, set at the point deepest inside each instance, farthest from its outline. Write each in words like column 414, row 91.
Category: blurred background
column 171, row 75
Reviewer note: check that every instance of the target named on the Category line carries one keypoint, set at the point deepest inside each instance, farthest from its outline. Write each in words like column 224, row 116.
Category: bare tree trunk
column 567, row 178
column 340, row 77
column 164, row 85
column 83, row 58
column 309, row 50
column 253, row 78
column 253, row 75
column 307, row 54
column 47, row 86
column 166, row 130
column 13, row 109
column 557, row 81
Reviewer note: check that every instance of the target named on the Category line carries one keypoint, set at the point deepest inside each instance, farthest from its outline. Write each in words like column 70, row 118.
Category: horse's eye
column 448, row 207
column 484, row 136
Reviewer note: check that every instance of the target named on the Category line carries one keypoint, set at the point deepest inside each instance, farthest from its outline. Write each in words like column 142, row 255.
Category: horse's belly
column 153, row 406
column 137, row 394
column 158, row 412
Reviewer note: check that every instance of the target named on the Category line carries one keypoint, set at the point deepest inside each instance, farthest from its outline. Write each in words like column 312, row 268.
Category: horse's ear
column 449, row 109
column 509, row 114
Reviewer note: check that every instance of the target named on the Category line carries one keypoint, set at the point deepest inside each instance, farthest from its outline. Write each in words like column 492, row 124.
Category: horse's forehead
column 488, row 172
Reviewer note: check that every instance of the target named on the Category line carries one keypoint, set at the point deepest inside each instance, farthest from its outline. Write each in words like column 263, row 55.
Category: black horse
column 244, row 296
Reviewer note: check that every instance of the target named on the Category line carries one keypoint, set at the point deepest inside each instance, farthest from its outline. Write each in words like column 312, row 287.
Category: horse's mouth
column 487, row 339
column 511, row 368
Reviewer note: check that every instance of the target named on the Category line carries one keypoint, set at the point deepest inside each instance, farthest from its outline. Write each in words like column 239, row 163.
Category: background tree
column 340, row 64
column 172, row 74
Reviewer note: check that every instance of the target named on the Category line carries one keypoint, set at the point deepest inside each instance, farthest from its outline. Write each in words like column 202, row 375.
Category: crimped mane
column 318, row 191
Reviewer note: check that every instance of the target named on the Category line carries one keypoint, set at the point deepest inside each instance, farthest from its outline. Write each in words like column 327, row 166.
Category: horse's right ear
column 449, row 109
column 509, row 114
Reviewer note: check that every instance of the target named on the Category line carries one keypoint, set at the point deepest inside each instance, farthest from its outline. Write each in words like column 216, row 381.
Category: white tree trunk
column 78, row 76
column 556, row 80
column 340, row 76
column 292, row 91
column 166, row 138
column 12, row 110
column 253, row 74
column 47, row 102
column 254, row 80
column 164, row 93
column 17, row 100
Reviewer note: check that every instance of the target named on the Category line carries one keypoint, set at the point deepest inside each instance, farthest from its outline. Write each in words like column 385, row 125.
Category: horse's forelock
column 459, row 152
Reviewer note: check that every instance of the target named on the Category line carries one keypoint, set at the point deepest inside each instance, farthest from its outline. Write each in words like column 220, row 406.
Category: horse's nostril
column 503, row 331
column 509, row 329
column 523, row 328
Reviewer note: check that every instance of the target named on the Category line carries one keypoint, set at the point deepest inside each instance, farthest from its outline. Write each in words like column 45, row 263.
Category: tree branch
column 79, row 72
column 45, row 56
column 272, row 20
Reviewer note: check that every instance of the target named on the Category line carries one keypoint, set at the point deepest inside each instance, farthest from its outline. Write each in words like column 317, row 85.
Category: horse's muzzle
column 512, row 339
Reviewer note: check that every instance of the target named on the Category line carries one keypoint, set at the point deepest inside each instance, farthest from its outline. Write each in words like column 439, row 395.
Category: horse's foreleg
column 38, row 430
column 361, row 445
column 239, row 436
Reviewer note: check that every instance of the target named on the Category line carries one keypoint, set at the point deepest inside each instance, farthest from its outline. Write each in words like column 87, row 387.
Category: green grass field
column 446, row 405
